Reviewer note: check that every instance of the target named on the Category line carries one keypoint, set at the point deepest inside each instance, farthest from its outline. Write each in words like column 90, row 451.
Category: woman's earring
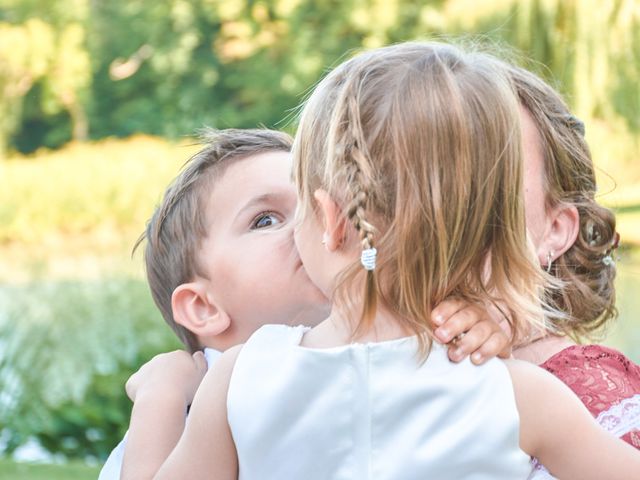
column 549, row 261
column 324, row 238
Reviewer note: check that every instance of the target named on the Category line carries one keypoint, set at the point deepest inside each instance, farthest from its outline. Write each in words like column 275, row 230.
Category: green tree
column 43, row 53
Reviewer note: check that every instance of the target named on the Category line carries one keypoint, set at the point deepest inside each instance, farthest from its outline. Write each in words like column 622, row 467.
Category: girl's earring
column 549, row 261
column 324, row 238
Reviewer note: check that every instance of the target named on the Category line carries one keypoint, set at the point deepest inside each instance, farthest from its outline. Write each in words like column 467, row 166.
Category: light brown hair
column 178, row 225
column 421, row 144
column 588, row 295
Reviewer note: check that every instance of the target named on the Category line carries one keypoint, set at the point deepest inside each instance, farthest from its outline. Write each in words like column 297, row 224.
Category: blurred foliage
column 119, row 67
column 25, row 471
column 110, row 186
column 65, row 359
column 43, row 54
column 77, row 69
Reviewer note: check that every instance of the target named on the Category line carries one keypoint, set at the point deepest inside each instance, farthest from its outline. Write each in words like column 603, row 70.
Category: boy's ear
column 195, row 310
column 562, row 231
column 333, row 220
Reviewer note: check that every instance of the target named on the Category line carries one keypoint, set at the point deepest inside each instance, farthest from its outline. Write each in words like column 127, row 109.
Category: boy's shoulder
column 277, row 334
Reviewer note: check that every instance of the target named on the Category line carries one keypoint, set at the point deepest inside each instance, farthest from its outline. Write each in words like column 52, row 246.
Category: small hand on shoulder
column 470, row 329
column 172, row 373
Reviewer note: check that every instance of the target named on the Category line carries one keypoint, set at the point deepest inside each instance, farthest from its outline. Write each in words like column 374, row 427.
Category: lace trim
column 621, row 418
column 540, row 473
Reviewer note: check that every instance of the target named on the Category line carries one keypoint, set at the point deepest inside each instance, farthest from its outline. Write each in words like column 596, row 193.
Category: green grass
column 26, row 471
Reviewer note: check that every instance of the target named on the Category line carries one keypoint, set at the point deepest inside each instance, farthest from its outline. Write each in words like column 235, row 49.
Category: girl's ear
column 333, row 220
column 563, row 226
column 195, row 310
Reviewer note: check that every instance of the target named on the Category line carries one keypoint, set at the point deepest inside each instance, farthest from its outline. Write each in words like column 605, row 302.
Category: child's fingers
column 496, row 344
column 506, row 352
column 445, row 309
column 458, row 323
column 463, row 345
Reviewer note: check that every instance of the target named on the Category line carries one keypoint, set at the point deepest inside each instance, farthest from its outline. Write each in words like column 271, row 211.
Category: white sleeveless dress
column 370, row 411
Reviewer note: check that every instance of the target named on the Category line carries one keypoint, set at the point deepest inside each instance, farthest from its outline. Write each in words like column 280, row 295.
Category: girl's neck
column 337, row 329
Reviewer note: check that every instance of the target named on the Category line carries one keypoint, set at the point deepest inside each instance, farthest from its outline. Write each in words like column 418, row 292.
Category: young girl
column 409, row 169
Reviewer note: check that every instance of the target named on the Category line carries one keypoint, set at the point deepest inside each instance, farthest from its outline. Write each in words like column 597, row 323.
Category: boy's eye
column 265, row 220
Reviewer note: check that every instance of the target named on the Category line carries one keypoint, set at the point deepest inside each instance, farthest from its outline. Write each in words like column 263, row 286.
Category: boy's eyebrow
column 265, row 198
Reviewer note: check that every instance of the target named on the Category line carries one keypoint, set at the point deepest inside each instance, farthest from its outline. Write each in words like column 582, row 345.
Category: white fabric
column 112, row 467
column 370, row 411
column 540, row 473
column 621, row 418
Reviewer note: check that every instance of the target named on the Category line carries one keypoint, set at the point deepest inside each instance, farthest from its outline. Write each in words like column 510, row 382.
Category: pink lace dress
column 607, row 382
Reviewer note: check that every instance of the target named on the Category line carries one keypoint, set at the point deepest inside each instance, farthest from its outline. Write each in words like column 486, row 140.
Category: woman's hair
column 420, row 144
column 586, row 269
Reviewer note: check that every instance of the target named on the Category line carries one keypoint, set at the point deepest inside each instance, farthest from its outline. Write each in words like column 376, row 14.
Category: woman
column 575, row 239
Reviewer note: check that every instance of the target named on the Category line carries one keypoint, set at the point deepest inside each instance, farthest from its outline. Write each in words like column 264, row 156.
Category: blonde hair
column 588, row 296
column 421, row 145
column 178, row 225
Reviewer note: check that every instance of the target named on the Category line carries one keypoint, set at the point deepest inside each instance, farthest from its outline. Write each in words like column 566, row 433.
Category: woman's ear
column 195, row 310
column 333, row 220
column 563, row 226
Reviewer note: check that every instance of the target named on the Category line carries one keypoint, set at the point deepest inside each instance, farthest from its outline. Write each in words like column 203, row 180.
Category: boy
column 220, row 261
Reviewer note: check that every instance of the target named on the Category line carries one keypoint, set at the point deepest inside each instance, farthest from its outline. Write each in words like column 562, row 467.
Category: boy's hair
column 421, row 145
column 178, row 225
column 588, row 296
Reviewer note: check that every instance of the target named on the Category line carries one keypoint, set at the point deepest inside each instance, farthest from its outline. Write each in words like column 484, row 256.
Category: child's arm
column 482, row 336
column 206, row 449
column 557, row 429
column 162, row 390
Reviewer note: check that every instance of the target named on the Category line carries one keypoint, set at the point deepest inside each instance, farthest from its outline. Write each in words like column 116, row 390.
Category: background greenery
column 96, row 100
column 72, row 471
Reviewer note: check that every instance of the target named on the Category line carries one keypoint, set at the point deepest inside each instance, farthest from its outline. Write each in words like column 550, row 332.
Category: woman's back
column 369, row 411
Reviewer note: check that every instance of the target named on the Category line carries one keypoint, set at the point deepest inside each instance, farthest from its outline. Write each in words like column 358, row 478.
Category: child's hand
column 173, row 373
column 470, row 329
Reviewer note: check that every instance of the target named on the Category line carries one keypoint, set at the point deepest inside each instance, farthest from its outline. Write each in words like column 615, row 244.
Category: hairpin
column 368, row 258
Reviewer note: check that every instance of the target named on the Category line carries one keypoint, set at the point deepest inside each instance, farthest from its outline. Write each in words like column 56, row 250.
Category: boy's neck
column 220, row 342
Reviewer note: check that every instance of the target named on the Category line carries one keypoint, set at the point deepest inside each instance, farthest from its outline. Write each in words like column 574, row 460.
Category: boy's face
column 254, row 271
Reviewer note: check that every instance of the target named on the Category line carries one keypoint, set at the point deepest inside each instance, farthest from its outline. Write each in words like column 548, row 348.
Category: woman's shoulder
column 607, row 382
column 593, row 356
column 601, row 376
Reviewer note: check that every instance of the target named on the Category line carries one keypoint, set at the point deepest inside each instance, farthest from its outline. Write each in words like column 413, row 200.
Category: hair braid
column 358, row 161
column 359, row 183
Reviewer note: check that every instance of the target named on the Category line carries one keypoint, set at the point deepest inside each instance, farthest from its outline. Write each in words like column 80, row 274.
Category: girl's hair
column 588, row 296
column 420, row 143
